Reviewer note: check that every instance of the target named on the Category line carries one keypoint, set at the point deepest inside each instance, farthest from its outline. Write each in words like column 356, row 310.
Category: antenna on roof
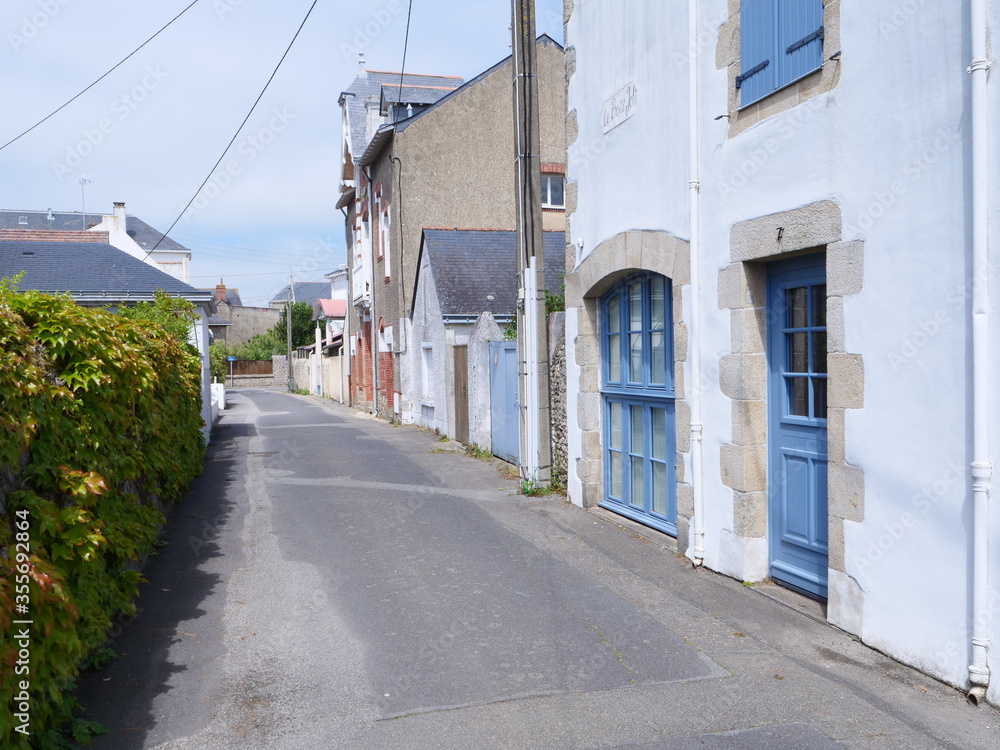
column 83, row 198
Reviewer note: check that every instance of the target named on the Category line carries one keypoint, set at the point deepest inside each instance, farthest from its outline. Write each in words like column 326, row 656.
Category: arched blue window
column 638, row 388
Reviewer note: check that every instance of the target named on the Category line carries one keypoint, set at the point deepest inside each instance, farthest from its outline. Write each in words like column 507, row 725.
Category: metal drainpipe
column 371, row 265
column 697, row 555
column 981, row 468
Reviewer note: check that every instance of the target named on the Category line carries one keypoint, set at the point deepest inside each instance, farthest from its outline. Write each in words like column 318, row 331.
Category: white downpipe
column 981, row 469
column 697, row 554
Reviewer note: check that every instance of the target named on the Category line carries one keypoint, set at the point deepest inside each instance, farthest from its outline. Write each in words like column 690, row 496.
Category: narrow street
column 336, row 582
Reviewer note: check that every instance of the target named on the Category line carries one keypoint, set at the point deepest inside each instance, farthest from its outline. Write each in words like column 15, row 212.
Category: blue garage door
column 638, row 395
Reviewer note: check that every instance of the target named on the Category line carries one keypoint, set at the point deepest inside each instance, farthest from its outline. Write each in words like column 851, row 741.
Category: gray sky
column 149, row 132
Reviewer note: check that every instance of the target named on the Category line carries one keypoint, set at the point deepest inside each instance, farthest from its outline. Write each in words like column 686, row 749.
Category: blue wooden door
column 797, row 502
column 505, row 405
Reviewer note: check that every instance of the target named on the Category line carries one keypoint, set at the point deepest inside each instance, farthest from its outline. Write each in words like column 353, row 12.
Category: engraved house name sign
column 619, row 107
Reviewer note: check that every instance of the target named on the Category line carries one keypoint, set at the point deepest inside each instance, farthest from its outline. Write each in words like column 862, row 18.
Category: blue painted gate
column 505, row 404
column 797, row 503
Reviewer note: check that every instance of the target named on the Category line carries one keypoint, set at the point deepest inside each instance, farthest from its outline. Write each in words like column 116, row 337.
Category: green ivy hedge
column 100, row 419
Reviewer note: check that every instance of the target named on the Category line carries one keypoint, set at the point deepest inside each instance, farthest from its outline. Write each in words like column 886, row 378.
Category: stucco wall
column 894, row 160
column 247, row 322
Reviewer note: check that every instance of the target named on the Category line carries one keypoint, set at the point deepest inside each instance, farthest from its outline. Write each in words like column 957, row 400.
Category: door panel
column 505, row 420
column 798, row 518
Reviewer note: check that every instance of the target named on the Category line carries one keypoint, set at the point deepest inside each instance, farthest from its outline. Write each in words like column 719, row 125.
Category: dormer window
column 22, row 220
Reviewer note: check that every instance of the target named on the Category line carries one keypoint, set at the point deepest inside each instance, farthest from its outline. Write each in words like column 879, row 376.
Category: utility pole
column 532, row 328
column 288, row 331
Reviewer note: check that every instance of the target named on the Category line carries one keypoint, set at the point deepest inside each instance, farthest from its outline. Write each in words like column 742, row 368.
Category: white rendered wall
column 427, row 327
column 637, row 172
column 889, row 145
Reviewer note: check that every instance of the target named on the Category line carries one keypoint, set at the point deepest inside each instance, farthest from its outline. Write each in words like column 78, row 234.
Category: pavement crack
column 611, row 647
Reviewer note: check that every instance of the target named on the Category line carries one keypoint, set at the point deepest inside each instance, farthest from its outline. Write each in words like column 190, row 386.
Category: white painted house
column 782, row 318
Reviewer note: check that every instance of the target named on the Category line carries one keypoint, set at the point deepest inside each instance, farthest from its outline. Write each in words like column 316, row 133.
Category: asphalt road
column 336, row 582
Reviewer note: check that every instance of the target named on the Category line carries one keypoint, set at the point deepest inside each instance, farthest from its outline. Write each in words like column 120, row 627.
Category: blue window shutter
column 799, row 48
column 757, row 45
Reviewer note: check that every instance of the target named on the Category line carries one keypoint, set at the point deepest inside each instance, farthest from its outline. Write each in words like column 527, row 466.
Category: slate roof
column 305, row 291
column 370, row 82
column 471, row 264
column 88, row 270
column 137, row 229
column 382, row 135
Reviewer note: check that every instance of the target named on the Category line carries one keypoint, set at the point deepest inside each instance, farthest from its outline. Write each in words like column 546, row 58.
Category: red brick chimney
column 220, row 291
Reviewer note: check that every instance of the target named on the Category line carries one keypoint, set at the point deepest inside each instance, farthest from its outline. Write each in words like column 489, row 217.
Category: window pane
column 659, row 428
column 657, row 303
column 660, row 489
column 615, row 359
column 819, row 305
column 658, row 363
column 616, row 475
column 614, row 315
column 556, row 191
column 819, row 398
column 635, row 368
column 635, row 306
column 798, row 397
column 616, row 426
column 637, row 430
column 637, row 483
column 796, row 301
column 797, row 352
column 819, row 351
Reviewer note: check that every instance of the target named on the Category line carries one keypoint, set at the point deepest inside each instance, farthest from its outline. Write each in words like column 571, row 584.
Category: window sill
column 778, row 90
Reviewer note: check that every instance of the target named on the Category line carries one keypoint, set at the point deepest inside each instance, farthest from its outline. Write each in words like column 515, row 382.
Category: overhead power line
column 406, row 43
column 239, row 129
column 112, row 70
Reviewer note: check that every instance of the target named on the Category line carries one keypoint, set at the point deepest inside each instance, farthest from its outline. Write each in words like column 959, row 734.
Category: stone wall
column 557, row 395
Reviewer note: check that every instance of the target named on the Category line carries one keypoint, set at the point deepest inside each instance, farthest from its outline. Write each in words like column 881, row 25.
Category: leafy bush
column 100, row 419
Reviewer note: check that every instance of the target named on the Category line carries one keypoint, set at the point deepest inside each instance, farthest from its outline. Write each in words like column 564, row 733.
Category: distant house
column 236, row 324
column 304, row 291
column 462, row 273
column 127, row 233
column 84, row 265
column 430, row 151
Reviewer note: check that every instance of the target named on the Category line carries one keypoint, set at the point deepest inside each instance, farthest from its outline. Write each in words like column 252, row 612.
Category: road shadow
column 177, row 628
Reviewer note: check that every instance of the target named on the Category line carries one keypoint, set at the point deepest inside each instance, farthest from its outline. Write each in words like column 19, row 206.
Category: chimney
column 120, row 216
column 361, row 61
column 220, row 291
